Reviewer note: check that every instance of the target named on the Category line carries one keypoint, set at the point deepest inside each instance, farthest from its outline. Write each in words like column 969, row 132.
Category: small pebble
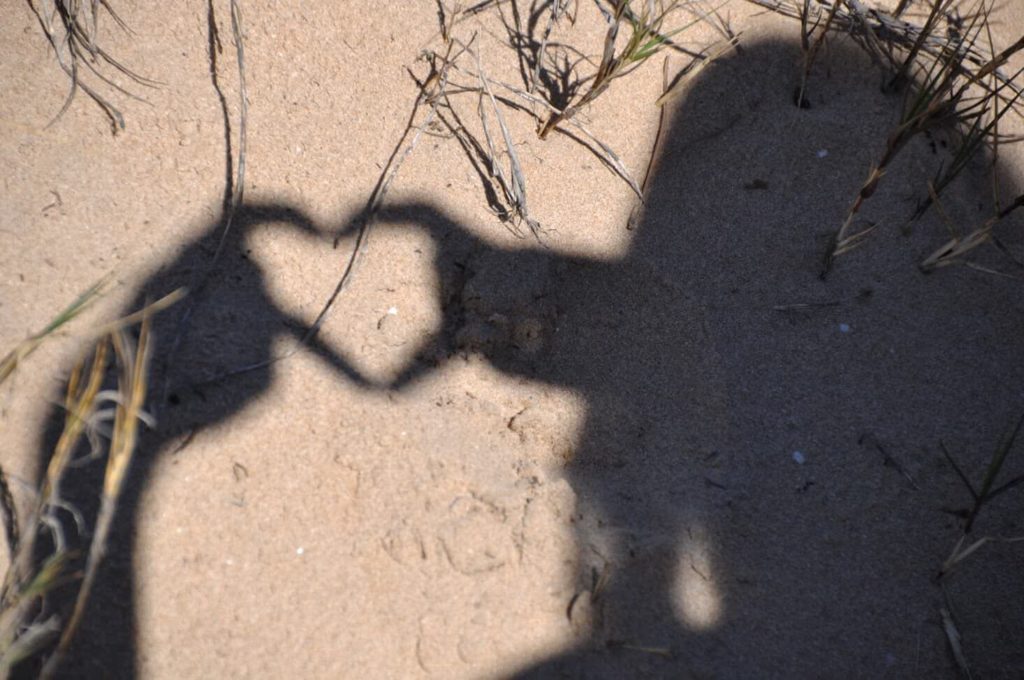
column 822, row 153
column 393, row 311
column 799, row 457
column 299, row 551
column 844, row 328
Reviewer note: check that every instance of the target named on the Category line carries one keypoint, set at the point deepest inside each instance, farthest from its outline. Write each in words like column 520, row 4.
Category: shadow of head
column 732, row 518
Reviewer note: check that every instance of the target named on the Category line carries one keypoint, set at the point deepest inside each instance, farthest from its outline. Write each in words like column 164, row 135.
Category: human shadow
column 759, row 489
column 732, row 519
column 230, row 321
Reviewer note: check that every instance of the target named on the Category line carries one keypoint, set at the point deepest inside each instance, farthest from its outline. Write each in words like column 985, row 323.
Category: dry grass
column 951, row 73
column 72, row 29
column 27, row 628
column 647, row 36
column 966, row 546
column 555, row 85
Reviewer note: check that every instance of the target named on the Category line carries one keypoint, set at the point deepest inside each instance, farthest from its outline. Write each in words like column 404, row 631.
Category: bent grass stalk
column 953, row 250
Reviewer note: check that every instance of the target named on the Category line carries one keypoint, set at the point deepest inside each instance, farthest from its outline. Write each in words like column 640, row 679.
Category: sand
column 664, row 451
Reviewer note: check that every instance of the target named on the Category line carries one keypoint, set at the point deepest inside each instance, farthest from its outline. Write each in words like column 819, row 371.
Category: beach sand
column 662, row 448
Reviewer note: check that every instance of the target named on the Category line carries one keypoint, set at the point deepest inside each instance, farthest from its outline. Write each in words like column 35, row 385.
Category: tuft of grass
column 647, row 36
column 552, row 91
column 27, row 628
column 71, row 27
column 952, row 75
column 946, row 93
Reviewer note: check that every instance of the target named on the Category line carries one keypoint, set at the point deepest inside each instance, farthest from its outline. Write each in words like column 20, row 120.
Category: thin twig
column 517, row 195
column 234, row 189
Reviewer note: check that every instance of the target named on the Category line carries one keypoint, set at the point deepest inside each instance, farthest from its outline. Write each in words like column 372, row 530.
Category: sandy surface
column 607, row 454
